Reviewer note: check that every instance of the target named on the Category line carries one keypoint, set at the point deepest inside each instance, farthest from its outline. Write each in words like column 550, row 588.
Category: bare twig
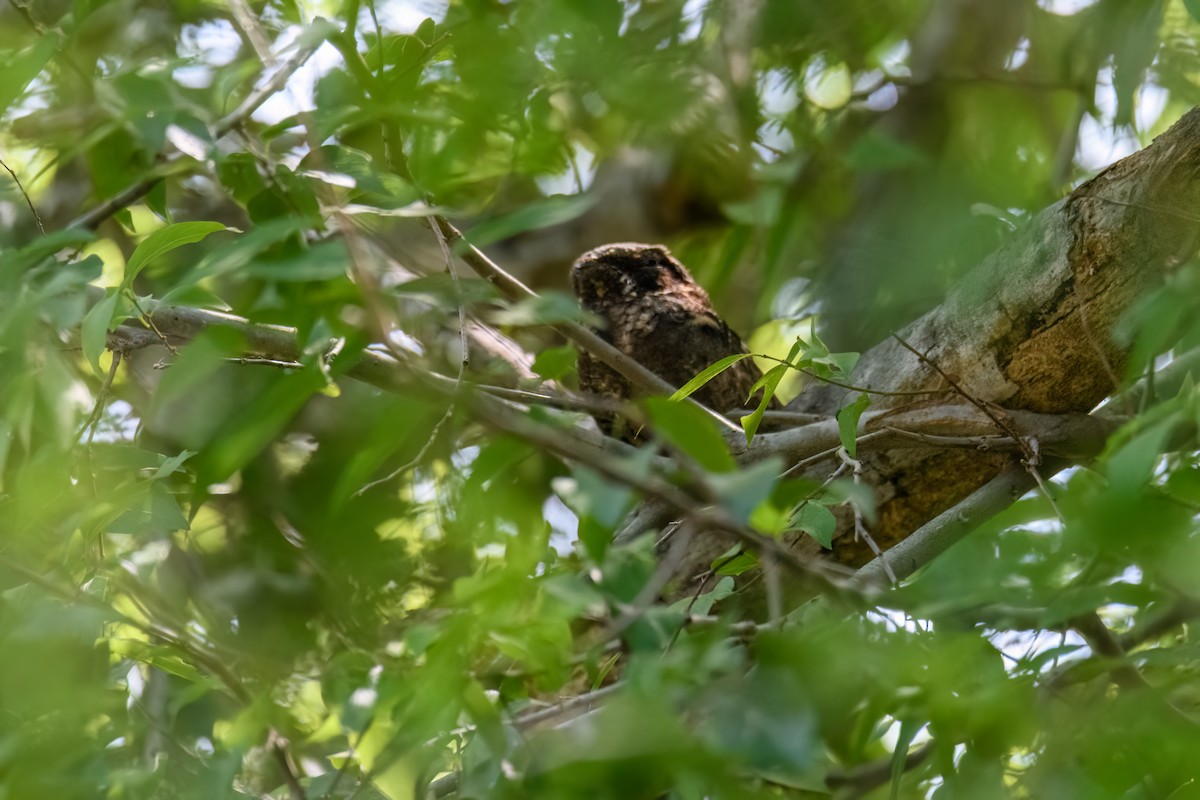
column 1031, row 457
column 253, row 361
column 923, row 358
column 278, row 747
column 866, row 777
column 860, row 527
column 89, row 427
column 24, row 194
column 464, row 360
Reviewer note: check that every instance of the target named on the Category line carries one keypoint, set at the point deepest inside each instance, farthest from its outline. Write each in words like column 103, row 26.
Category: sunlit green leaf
column 545, row 309
column 551, row 211
column 707, row 374
column 19, row 69
column 768, row 383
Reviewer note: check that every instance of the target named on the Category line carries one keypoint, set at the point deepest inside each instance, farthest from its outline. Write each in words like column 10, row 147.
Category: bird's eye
column 646, row 280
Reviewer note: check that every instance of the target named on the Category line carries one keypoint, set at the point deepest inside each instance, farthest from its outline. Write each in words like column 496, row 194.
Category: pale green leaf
column 817, row 521
column 171, row 465
column 164, row 240
column 93, row 331
column 706, row 375
column 769, row 383
column 847, row 419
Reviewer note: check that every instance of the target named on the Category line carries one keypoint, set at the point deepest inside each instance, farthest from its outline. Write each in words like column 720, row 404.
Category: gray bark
column 1030, row 328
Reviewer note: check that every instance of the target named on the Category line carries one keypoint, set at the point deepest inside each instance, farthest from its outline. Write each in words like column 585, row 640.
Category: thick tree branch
column 1029, row 328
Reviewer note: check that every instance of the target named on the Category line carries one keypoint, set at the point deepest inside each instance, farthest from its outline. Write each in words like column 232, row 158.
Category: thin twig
column 149, row 323
column 253, row 361
column 93, row 420
column 982, row 406
column 464, row 360
column 278, row 747
column 869, row 776
column 860, row 527
column 24, row 194
column 664, row 570
column 850, row 386
column 830, row 452
column 1030, row 456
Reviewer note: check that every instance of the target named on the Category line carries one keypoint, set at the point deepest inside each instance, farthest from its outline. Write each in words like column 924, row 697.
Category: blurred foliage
column 223, row 579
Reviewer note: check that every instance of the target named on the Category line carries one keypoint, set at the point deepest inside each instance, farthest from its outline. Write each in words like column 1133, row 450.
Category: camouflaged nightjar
column 656, row 314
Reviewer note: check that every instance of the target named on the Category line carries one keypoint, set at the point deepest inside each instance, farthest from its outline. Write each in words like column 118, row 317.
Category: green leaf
column 817, row 521
column 769, row 383
column 321, row 262
column 741, row 491
column 860, row 496
column 706, row 375
column 18, row 71
column 843, row 363
column 157, row 656
column 693, row 431
column 254, row 425
column 599, row 503
column 319, row 31
column 847, row 419
column 908, row 731
column 486, row 718
column 704, row 603
column 440, row 289
column 555, row 362
column 93, row 331
column 1193, row 8
column 1130, row 466
column 532, row 216
column 544, row 309
column 171, row 465
column 242, row 250
column 742, row 562
column 878, row 151
column 164, row 240
column 27, row 257
column 193, row 295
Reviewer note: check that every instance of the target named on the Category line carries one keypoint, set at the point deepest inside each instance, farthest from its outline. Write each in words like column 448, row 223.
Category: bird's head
column 624, row 272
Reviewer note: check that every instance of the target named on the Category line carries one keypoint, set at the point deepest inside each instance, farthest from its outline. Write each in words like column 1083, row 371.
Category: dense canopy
column 299, row 497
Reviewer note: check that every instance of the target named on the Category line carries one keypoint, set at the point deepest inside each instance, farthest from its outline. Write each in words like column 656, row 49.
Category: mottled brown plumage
column 655, row 313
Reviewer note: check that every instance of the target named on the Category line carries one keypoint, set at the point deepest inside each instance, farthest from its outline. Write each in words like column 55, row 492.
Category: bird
column 652, row 310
